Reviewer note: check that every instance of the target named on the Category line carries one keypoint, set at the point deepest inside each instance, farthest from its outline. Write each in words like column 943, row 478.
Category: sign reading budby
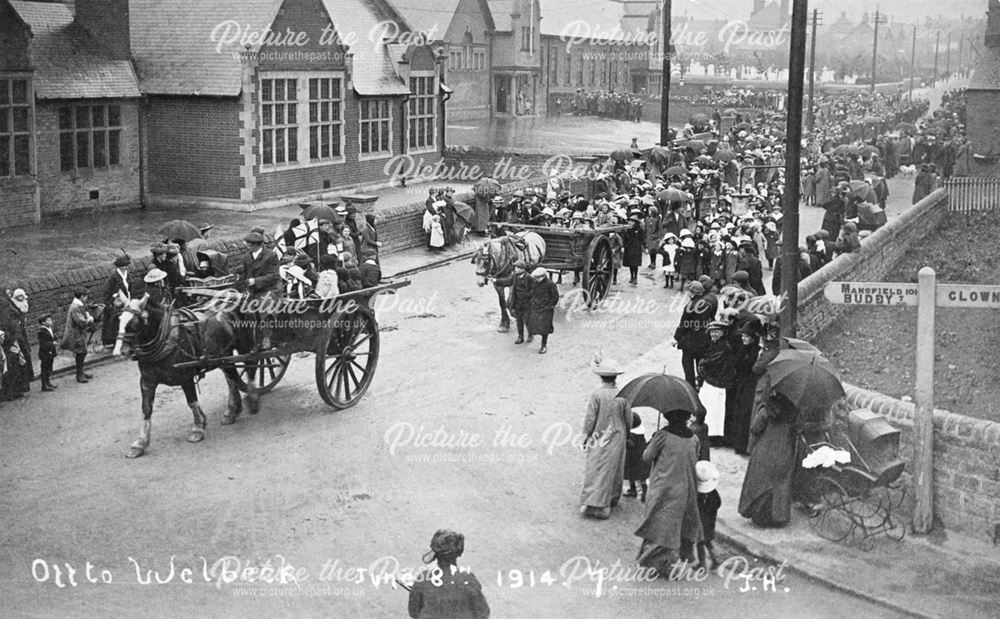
column 926, row 295
column 870, row 293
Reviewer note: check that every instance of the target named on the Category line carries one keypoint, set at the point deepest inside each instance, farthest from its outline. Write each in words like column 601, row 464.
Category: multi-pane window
column 526, row 39
column 421, row 113
column 326, row 119
column 593, row 71
column 554, row 66
column 89, row 137
column 479, row 59
column 579, row 70
column 568, row 70
column 15, row 128
column 455, row 58
column 279, row 121
column 376, row 121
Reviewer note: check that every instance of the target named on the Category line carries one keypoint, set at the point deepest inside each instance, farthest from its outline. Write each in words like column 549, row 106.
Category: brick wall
column 966, row 462
column 879, row 253
column 66, row 191
column 18, row 202
column 193, row 147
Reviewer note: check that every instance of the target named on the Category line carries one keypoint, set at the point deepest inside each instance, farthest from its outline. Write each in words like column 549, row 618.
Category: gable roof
column 604, row 20
column 501, row 10
column 174, row 51
column 69, row 63
column 434, row 18
column 986, row 73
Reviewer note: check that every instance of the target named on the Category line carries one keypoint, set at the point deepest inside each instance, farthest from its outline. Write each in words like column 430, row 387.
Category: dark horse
column 495, row 260
column 163, row 337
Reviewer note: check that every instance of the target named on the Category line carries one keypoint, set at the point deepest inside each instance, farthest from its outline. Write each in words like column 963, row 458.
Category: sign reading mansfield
column 871, row 293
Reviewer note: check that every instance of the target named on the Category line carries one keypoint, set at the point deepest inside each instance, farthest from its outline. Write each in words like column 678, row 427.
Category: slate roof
column 986, row 73
column 70, row 64
column 173, row 48
column 427, row 17
column 374, row 71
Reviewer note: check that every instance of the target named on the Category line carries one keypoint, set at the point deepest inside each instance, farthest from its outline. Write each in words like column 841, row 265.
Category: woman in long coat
column 767, row 487
column 822, row 184
column 605, row 428
column 544, row 298
column 75, row 334
column 671, row 517
column 740, row 397
column 634, row 245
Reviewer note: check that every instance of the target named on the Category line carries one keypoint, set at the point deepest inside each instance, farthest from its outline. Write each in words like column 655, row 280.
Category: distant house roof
column 174, row 50
column 986, row 73
column 770, row 17
column 603, row 20
column 435, row 17
column 70, row 64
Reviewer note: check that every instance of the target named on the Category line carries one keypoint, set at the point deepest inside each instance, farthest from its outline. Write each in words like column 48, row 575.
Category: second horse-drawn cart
column 587, row 249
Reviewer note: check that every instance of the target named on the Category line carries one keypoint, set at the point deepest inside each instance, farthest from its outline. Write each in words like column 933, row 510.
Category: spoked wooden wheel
column 829, row 516
column 597, row 267
column 265, row 373
column 347, row 357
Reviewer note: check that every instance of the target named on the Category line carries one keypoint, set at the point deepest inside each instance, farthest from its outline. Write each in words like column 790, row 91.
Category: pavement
column 941, row 575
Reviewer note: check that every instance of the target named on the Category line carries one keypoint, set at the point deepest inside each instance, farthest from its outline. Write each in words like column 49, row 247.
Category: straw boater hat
column 608, row 367
column 154, row 276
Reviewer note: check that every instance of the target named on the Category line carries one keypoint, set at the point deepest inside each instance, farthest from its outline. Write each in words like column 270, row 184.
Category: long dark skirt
column 767, row 488
column 739, row 408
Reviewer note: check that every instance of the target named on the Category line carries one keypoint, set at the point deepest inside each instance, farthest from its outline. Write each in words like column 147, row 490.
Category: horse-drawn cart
column 589, row 249
column 341, row 331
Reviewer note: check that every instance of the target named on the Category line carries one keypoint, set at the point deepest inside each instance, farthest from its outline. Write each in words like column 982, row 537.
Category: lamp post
column 665, row 79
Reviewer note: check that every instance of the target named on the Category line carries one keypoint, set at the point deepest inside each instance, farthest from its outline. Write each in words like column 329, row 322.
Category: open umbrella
column 807, row 379
column 320, row 211
column 847, row 149
column 659, row 155
column 724, row 155
column 864, row 191
column 179, row 229
column 672, row 194
column 729, row 112
column 662, row 392
column 871, row 214
column 677, row 170
column 466, row 212
column 621, row 154
column 699, row 120
column 797, row 344
column 743, row 126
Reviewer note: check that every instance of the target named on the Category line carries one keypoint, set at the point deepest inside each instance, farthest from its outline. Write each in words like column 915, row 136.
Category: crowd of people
column 603, row 103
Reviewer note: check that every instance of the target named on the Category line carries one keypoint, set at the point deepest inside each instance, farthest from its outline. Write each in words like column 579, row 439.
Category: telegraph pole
column 913, row 61
column 937, row 49
column 879, row 18
column 812, row 72
column 668, row 49
column 790, row 206
column 947, row 56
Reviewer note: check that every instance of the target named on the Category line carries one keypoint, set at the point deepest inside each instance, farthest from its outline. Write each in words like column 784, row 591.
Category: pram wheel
column 828, row 512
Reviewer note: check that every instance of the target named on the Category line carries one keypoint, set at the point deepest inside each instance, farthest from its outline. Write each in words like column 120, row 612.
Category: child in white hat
column 709, row 503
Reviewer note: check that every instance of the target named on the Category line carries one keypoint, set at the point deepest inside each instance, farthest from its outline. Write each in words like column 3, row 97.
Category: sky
column 900, row 10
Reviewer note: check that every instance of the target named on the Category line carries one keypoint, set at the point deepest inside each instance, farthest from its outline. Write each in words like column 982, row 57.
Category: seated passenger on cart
column 260, row 276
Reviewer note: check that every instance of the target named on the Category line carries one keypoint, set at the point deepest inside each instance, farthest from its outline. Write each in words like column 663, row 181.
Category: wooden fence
column 973, row 194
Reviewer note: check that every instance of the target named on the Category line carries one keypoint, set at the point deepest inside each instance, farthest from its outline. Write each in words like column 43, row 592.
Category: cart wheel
column 894, row 528
column 266, row 373
column 347, row 357
column 597, row 264
column 829, row 516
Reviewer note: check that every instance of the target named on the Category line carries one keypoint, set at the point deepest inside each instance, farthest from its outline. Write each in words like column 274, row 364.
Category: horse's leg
column 148, row 390
column 235, row 402
column 504, row 316
column 198, row 428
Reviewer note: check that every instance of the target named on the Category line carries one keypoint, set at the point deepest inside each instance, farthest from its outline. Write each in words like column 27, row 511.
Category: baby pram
column 849, row 490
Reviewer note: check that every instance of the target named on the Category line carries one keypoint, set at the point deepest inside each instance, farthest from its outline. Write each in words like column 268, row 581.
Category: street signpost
column 925, row 295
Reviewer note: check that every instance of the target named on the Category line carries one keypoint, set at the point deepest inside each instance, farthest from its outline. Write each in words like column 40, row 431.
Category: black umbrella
column 724, row 155
column 621, row 154
column 661, row 391
column 807, row 379
column 699, row 120
column 672, row 194
column 180, row 230
column 729, row 112
column 695, row 145
column 319, row 211
column 659, row 155
column 847, row 149
column 797, row 344
column 743, row 126
column 676, row 170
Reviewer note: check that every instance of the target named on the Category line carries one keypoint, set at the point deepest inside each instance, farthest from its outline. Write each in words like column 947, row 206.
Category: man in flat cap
column 260, row 274
column 117, row 292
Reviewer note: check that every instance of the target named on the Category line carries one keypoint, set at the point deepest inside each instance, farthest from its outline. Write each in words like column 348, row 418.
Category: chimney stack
column 107, row 21
column 993, row 25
